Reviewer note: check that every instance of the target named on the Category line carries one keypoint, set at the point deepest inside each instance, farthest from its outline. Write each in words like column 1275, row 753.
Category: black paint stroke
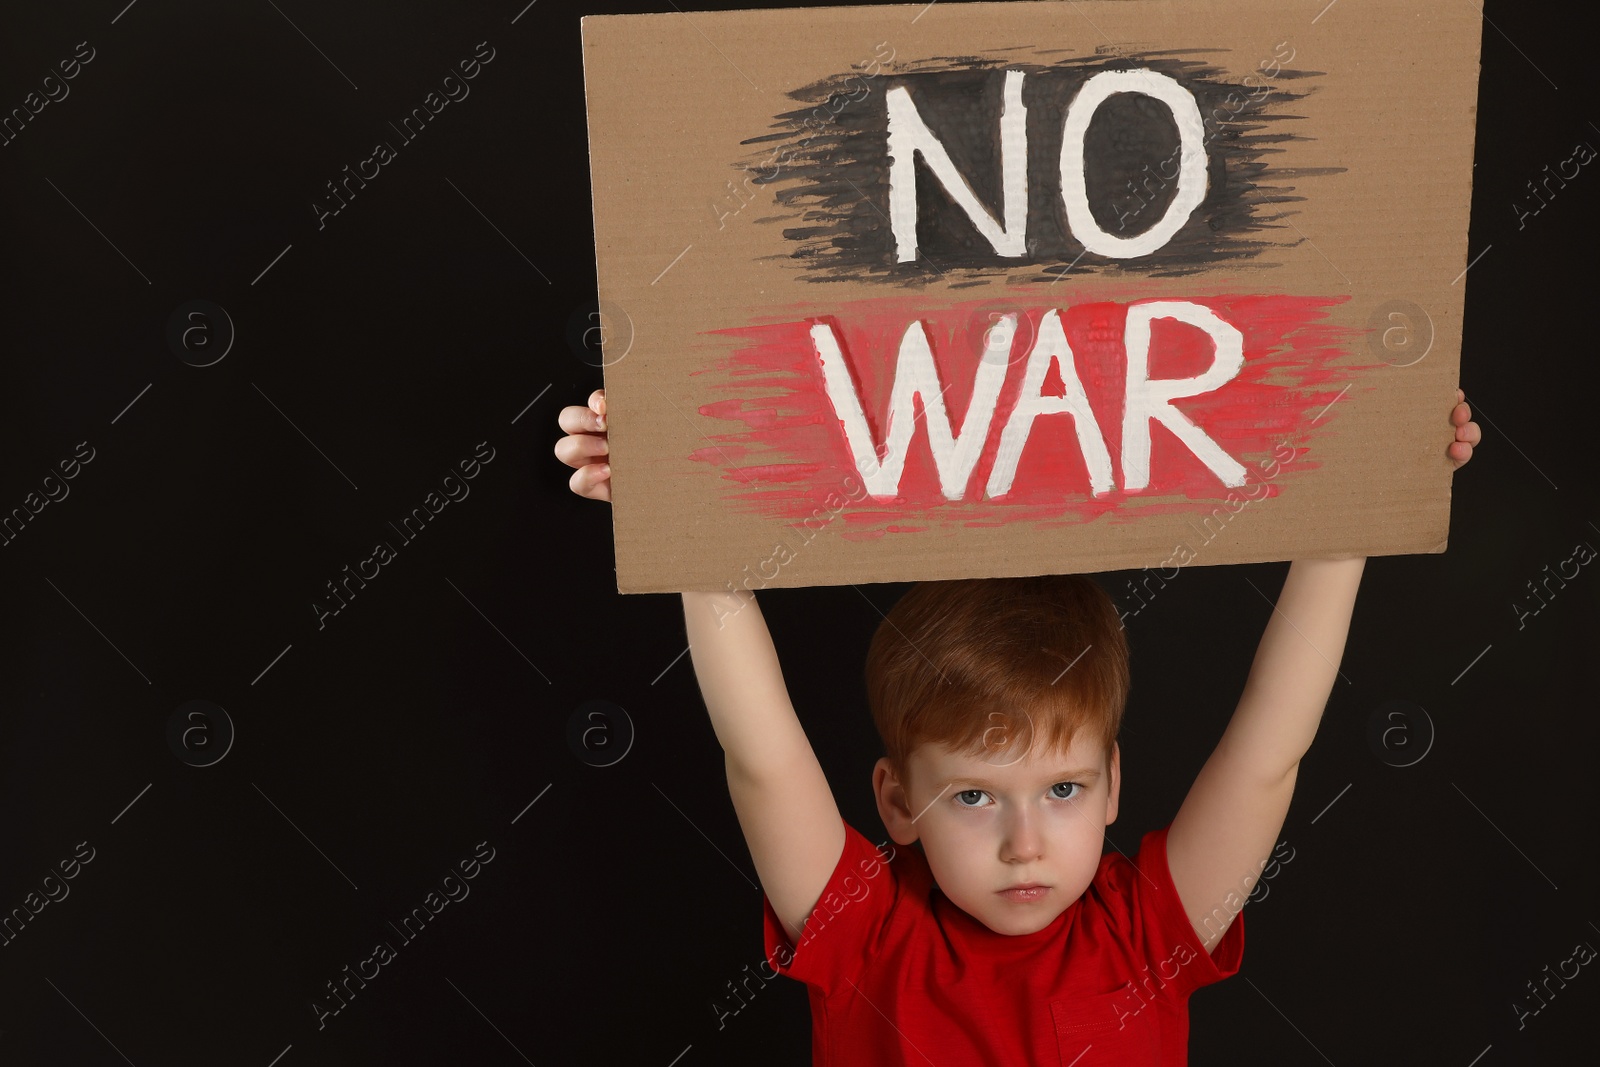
column 831, row 181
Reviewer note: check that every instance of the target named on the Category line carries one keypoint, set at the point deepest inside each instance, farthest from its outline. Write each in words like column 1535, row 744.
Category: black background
column 373, row 754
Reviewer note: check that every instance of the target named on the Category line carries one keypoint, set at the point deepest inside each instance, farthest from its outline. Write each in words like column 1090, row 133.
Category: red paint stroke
column 794, row 462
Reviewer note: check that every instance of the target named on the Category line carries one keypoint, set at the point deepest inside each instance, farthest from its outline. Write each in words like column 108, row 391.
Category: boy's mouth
column 1023, row 893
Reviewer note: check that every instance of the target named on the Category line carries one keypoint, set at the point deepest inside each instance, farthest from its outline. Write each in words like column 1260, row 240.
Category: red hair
column 974, row 663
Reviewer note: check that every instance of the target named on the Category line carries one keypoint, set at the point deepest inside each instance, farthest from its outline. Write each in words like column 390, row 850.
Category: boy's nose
column 1023, row 842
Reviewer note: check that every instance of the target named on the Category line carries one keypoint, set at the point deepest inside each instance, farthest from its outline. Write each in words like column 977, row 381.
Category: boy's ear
column 894, row 806
column 1116, row 783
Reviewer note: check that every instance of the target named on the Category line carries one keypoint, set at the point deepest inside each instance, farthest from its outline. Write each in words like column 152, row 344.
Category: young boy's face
column 991, row 822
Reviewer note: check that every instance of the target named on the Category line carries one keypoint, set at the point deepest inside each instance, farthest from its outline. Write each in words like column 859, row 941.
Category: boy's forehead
column 1085, row 753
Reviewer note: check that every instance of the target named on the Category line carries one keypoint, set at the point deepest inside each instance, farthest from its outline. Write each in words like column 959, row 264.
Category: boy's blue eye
column 978, row 793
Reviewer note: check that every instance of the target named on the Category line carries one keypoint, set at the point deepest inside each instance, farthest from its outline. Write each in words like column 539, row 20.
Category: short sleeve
column 1169, row 937
column 839, row 935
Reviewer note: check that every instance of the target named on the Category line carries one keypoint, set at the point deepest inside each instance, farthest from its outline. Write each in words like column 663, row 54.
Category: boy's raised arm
column 1224, row 833
column 785, row 806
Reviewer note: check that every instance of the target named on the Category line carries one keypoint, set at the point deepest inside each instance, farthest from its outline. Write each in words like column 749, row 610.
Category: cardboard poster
column 936, row 291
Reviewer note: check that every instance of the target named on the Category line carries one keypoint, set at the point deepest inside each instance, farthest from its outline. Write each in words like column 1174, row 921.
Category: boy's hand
column 585, row 447
column 1467, row 432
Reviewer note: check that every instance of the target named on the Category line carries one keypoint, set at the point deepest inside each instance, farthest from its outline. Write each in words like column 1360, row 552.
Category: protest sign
column 934, row 291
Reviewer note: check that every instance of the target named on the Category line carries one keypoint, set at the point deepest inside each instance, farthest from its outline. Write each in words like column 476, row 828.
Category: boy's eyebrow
column 1064, row 776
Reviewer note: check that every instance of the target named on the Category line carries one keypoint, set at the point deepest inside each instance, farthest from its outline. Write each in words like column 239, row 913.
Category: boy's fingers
column 580, row 420
column 1461, row 414
column 589, row 481
column 597, row 401
column 1469, row 433
column 576, row 450
column 572, row 418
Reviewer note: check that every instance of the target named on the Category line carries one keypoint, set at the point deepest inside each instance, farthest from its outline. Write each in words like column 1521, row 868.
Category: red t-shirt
column 897, row 974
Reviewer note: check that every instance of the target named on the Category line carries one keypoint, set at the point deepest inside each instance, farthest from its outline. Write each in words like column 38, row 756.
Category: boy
column 1009, row 938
